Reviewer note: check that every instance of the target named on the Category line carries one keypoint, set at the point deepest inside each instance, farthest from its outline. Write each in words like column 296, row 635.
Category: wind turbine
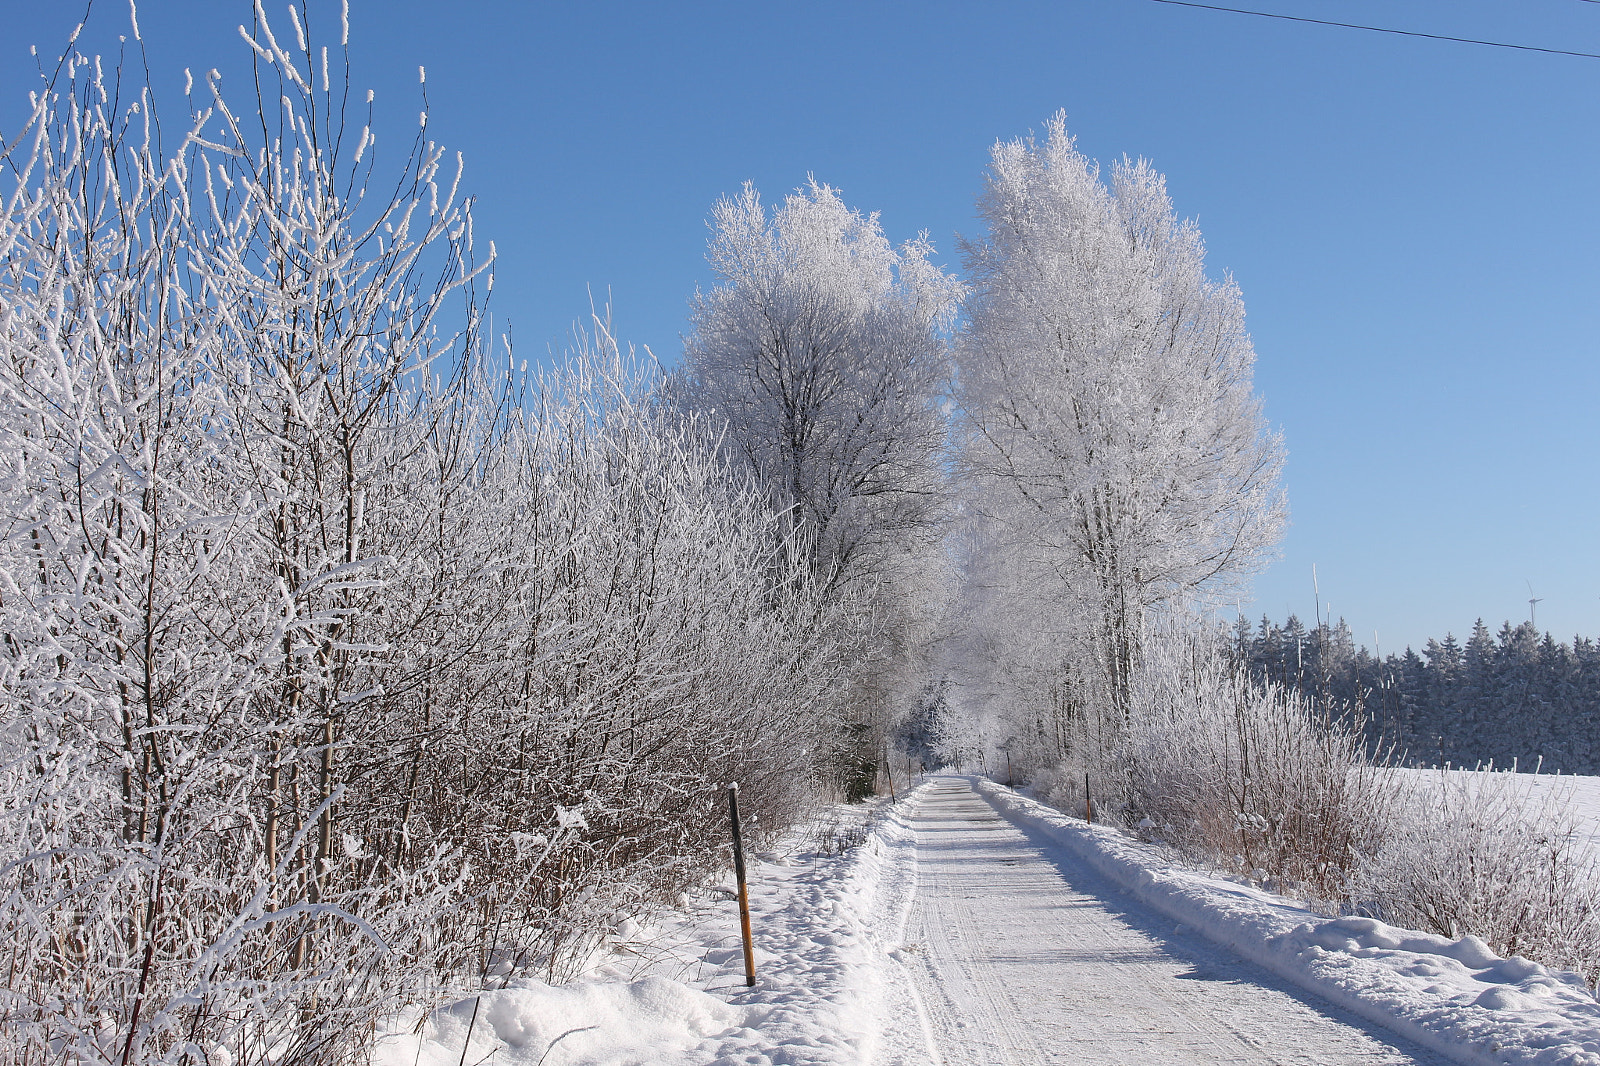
column 1532, row 600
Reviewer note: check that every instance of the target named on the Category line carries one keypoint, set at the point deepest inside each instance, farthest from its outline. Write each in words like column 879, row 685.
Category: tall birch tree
column 821, row 355
column 1112, row 430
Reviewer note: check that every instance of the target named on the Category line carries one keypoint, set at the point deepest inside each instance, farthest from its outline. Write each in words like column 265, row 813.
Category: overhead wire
column 1382, row 29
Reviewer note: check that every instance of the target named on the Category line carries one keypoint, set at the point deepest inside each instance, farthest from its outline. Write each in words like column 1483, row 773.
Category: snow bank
column 823, row 924
column 1455, row 997
column 621, row 1024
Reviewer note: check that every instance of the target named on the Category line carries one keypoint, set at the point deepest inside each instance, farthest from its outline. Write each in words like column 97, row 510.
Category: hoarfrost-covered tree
column 820, row 356
column 821, row 350
column 1112, row 431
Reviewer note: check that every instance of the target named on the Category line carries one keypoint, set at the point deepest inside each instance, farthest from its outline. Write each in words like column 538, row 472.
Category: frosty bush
column 1247, row 775
column 211, row 412
column 1474, row 853
column 659, row 641
column 341, row 662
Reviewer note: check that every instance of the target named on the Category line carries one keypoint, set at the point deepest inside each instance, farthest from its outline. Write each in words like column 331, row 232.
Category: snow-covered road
column 972, row 926
column 1021, row 955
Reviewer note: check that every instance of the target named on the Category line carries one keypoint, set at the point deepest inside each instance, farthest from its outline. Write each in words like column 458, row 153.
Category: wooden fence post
column 744, row 891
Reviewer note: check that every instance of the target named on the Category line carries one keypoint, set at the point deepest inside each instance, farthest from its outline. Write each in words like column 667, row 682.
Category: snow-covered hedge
column 1249, row 778
column 341, row 659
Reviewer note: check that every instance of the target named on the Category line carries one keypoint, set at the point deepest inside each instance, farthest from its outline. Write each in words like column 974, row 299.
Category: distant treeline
column 1515, row 695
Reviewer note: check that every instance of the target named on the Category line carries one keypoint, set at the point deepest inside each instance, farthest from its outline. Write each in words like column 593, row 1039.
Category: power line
column 1384, row 29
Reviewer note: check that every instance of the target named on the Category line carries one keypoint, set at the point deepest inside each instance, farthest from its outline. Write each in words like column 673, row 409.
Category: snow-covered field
column 1576, row 794
column 838, row 972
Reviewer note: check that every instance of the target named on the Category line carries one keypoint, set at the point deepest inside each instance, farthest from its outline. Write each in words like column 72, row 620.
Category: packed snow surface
column 1024, row 955
column 971, row 926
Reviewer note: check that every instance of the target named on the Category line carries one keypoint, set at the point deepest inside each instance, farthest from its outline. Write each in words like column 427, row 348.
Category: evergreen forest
column 1515, row 698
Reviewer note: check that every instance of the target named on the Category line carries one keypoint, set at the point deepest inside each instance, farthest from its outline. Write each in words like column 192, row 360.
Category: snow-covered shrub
column 658, row 642
column 1064, row 785
column 1474, row 852
column 1248, row 775
column 836, row 833
column 217, row 452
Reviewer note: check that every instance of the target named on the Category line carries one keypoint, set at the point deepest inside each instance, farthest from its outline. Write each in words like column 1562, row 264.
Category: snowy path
column 1022, row 956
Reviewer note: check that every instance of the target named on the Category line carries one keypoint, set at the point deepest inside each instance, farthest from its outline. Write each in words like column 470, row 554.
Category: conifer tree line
column 347, row 662
column 1515, row 698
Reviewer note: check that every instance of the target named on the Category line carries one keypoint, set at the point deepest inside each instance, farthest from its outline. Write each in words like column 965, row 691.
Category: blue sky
column 1413, row 223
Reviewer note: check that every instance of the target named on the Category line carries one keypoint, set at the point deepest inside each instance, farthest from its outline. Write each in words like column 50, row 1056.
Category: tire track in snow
column 1023, row 958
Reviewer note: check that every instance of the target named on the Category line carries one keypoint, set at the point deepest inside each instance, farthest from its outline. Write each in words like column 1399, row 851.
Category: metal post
column 1088, row 800
column 744, row 892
